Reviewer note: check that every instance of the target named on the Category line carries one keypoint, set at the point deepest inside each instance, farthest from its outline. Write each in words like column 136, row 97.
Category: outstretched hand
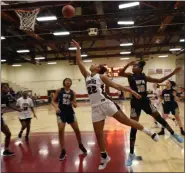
column 132, row 63
column 76, row 44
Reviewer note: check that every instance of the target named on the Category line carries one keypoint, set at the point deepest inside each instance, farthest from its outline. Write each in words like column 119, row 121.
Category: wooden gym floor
column 41, row 155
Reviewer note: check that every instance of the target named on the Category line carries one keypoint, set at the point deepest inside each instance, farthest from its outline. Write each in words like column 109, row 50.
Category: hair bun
column 102, row 69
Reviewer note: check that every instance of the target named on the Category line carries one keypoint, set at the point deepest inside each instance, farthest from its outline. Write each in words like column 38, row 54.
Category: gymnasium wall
column 41, row 78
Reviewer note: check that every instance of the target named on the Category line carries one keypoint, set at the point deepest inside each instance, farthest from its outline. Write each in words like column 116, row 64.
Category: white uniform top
column 25, row 105
column 93, row 84
column 157, row 93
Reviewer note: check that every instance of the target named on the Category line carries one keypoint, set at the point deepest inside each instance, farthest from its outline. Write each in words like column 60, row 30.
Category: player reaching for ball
column 138, row 82
column 103, row 107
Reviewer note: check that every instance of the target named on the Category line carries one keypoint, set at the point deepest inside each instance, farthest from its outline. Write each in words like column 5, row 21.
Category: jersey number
column 167, row 99
column 66, row 101
column 141, row 88
column 91, row 90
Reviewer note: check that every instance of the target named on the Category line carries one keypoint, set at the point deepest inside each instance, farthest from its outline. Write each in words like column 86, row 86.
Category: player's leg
column 23, row 127
column 151, row 110
column 6, row 131
column 28, row 126
column 61, row 127
column 176, row 113
column 98, row 129
column 74, row 125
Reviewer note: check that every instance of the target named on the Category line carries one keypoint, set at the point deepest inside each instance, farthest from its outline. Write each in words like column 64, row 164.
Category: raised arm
column 123, row 71
column 155, row 80
column 80, row 63
column 114, row 85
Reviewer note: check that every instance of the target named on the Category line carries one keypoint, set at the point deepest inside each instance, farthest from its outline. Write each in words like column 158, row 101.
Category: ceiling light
column 61, row 33
column 51, row 63
column 16, row 65
column 125, row 22
column 73, row 48
column 2, row 38
column 163, row 56
column 84, row 55
column 89, row 60
column 23, row 51
column 126, row 44
column 182, row 40
column 3, row 60
column 124, row 58
column 46, row 18
column 174, row 49
column 39, row 58
column 125, row 53
column 127, row 5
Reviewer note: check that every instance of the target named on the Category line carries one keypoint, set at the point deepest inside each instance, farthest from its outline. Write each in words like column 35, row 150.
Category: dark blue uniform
column 4, row 104
column 67, row 114
column 169, row 105
column 138, row 83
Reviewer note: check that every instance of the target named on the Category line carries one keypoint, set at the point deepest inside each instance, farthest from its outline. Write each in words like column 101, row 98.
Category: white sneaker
column 104, row 162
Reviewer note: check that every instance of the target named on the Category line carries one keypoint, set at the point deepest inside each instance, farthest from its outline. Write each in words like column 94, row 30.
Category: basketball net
column 27, row 19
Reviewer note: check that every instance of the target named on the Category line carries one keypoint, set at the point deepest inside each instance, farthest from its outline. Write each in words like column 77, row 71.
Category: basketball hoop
column 27, row 19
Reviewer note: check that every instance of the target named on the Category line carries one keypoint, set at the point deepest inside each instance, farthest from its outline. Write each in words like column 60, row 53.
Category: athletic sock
column 104, row 155
column 147, row 131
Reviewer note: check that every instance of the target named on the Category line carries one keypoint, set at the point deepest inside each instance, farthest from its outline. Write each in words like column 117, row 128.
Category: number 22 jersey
column 94, row 84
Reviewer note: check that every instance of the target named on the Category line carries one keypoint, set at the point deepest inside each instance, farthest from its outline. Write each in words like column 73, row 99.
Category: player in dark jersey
column 138, row 82
column 4, row 128
column 169, row 96
column 64, row 100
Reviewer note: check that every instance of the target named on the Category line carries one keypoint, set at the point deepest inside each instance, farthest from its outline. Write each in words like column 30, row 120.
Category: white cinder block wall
column 45, row 77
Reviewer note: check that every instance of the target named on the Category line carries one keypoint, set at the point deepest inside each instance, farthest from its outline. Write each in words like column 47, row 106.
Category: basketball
column 68, row 11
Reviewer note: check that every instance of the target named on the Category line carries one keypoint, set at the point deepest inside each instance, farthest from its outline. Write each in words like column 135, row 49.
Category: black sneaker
column 182, row 132
column 8, row 153
column 63, row 155
column 82, row 148
column 161, row 132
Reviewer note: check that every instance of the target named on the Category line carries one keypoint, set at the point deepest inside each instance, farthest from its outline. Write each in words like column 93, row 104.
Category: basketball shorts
column 25, row 120
column 99, row 112
column 66, row 116
column 137, row 105
column 169, row 108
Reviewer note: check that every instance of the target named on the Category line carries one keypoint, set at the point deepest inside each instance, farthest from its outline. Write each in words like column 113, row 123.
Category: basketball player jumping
column 102, row 107
column 26, row 105
column 63, row 101
column 4, row 128
column 138, row 82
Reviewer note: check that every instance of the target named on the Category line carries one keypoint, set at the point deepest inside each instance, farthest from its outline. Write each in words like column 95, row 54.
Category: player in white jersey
column 26, row 105
column 156, row 100
column 102, row 107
